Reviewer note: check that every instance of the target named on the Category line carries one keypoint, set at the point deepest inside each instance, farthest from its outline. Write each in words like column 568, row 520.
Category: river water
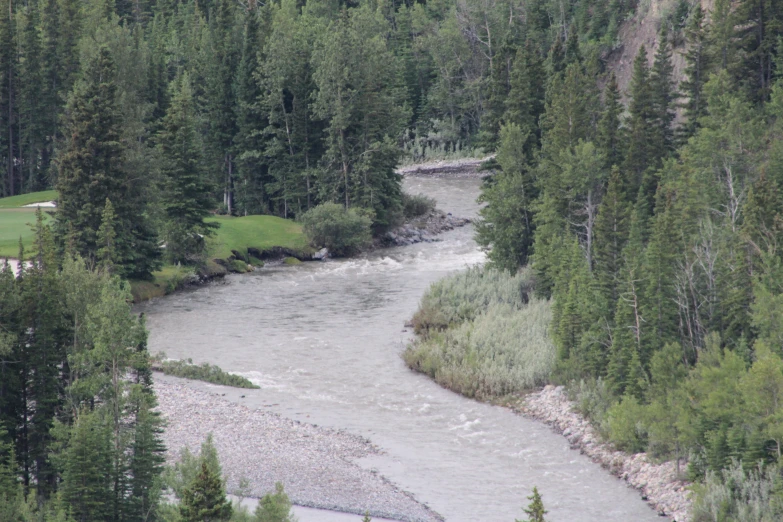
column 323, row 340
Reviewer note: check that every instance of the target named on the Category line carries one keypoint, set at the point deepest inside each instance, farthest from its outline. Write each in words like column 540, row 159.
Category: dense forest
column 650, row 217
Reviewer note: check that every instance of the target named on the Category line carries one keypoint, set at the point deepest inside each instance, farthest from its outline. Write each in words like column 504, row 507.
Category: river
column 323, row 342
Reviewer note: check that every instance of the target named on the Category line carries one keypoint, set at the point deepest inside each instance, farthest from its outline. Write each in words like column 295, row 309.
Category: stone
column 321, row 254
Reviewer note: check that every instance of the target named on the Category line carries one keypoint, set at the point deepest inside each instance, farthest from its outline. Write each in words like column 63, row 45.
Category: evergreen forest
column 649, row 215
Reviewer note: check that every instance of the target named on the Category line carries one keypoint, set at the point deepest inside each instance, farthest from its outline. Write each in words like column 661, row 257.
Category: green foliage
column 463, row 296
column 739, row 494
column 202, row 372
column 507, row 223
column 416, row 205
column 205, row 498
column 185, row 192
column 93, row 168
column 535, row 510
column 482, row 335
column 274, row 507
column 87, row 464
column 626, row 426
column 332, row 226
column 186, row 470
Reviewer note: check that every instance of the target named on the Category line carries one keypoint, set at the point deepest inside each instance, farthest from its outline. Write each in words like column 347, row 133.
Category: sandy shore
column 316, row 465
column 657, row 482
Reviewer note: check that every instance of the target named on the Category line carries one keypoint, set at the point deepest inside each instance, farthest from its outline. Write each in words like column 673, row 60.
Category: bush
column 342, row 231
column 417, row 205
column 593, row 400
column 627, row 429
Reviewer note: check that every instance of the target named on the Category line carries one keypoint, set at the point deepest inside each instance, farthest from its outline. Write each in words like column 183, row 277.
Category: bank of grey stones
column 422, row 229
column 451, row 169
column 315, row 464
column 657, row 482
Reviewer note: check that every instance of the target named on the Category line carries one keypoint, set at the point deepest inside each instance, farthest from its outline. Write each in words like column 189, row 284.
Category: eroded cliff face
column 643, row 29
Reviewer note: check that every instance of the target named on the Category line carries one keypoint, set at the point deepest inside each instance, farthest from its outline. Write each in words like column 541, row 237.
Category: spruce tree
column 185, row 197
column 525, row 101
column 507, row 221
column 91, row 170
column 663, row 96
column 696, row 70
column 535, row 510
column 275, row 507
column 609, row 137
column 640, row 150
column 107, row 253
column 147, row 459
column 86, row 467
column 205, row 498
column 611, row 234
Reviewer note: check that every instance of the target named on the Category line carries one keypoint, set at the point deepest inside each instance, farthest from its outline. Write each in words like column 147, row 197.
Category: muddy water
column 323, row 342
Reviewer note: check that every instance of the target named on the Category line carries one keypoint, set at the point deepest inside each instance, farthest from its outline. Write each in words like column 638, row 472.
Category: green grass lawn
column 261, row 232
column 27, row 199
column 15, row 221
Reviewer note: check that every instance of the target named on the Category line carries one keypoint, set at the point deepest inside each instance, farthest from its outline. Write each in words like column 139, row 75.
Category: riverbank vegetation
column 658, row 242
column 201, row 372
column 483, row 334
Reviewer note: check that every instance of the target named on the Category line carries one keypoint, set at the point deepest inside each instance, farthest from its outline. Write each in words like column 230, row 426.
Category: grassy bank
column 237, row 234
column 482, row 334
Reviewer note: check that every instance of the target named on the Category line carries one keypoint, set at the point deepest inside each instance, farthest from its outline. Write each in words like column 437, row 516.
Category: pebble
column 316, row 465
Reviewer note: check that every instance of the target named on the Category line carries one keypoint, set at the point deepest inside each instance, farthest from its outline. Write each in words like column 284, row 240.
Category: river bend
column 323, row 342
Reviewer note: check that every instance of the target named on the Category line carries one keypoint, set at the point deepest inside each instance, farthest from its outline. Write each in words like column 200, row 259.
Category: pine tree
column 91, row 170
column 525, row 101
column 640, row 154
column 609, row 136
column 696, row 69
column 107, row 254
column 507, row 221
column 205, row 498
column 535, row 510
column 86, row 467
column 147, row 460
column 275, row 507
column 9, row 117
column 185, row 197
column 252, row 168
column 662, row 90
column 611, row 234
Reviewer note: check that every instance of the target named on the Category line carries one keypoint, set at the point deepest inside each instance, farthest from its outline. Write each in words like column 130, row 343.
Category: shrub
column 417, row 205
column 739, row 495
column 627, row 429
column 332, row 226
column 502, row 351
column 461, row 297
column 593, row 399
column 238, row 266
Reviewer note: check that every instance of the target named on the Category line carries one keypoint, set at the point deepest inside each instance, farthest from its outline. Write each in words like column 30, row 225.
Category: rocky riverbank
column 658, row 483
column 316, row 465
column 421, row 230
column 461, row 168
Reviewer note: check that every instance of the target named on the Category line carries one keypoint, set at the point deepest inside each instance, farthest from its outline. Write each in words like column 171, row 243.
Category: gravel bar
column 316, row 464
